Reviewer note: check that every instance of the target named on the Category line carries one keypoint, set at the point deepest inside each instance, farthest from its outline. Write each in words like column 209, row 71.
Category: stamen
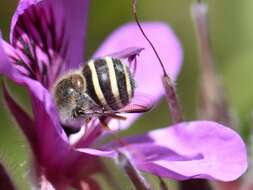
column 170, row 90
column 171, row 95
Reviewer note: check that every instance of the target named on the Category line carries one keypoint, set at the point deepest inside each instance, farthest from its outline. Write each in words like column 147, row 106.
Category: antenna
column 143, row 33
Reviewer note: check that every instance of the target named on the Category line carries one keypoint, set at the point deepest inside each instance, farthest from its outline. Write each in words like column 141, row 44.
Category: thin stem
column 213, row 102
column 133, row 173
column 137, row 179
column 170, row 90
column 145, row 36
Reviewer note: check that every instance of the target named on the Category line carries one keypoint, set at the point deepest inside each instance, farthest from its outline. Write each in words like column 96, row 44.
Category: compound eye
column 77, row 82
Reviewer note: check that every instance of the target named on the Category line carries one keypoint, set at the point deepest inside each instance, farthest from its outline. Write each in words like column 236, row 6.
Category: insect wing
column 135, row 108
column 141, row 103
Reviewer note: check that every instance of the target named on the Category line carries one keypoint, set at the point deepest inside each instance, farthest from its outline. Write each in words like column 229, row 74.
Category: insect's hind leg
column 104, row 123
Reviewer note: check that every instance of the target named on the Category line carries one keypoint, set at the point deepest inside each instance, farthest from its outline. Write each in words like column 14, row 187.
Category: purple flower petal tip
column 22, row 6
column 198, row 149
column 223, row 152
column 101, row 153
column 129, row 53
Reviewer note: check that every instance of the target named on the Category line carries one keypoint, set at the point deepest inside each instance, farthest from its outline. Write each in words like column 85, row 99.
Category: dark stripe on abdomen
column 122, row 86
column 105, row 83
column 90, row 87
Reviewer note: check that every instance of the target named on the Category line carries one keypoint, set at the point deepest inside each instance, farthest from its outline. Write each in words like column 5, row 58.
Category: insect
column 102, row 88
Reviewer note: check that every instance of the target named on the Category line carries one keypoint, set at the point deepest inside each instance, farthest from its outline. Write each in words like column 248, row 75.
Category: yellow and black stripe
column 109, row 82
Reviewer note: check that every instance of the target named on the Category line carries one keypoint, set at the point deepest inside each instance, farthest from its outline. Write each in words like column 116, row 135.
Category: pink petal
column 35, row 88
column 52, row 141
column 46, row 117
column 217, row 152
column 198, row 149
column 36, row 134
column 70, row 16
column 149, row 73
column 53, row 147
column 95, row 152
column 129, row 53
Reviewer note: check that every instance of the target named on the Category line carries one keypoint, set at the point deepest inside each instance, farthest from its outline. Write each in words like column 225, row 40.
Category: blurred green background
column 231, row 30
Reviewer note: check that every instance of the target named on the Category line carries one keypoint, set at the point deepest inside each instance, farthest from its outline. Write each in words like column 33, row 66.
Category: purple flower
column 47, row 40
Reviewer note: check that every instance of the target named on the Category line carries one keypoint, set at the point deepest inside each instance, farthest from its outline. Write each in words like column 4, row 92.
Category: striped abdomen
column 109, row 82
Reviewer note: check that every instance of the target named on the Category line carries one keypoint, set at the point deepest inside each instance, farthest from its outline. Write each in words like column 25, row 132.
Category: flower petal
column 52, row 140
column 129, row 53
column 5, row 179
column 45, row 114
column 95, row 152
column 166, row 44
column 199, row 149
column 53, row 146
column 35, row 88
column 62, row 18
column 36, row 136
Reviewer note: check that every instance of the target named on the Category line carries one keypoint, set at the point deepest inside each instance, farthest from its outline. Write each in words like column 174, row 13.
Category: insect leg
column 104, row 123
column 115, row 116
